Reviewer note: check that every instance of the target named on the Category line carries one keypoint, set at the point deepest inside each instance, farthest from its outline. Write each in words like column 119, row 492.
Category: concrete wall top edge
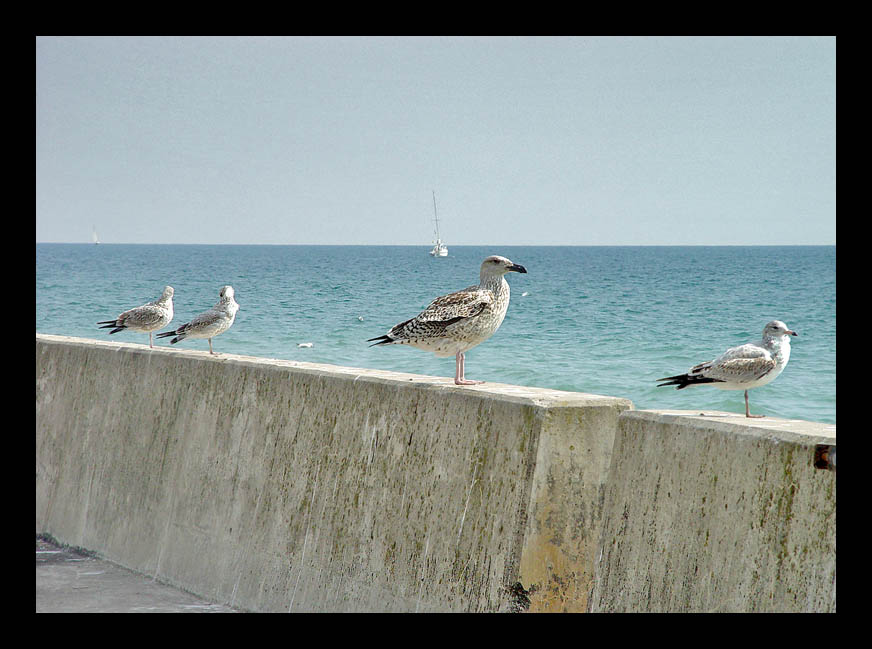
column 794, row 431
column 544, row 397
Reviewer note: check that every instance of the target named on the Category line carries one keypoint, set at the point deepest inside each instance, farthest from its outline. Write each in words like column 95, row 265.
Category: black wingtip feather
column 678, row 382
column 681, row 381
column 167, row 334
column 381, row 340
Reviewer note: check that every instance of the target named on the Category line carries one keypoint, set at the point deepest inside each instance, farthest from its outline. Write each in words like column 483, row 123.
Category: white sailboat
column 94, row 235
column 439, row 248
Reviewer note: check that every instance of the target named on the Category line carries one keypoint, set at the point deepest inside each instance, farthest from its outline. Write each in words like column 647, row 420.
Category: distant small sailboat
column 439, row 248
column 94, row 235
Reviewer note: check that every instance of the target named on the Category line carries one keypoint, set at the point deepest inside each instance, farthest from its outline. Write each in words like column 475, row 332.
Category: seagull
column 455, row 323
column 210, row 323
column 146, row 318
column 743, row 367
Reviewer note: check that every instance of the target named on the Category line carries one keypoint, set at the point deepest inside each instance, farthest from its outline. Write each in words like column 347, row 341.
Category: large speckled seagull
column 210, row 323
column 146, row 318
column 455, row 323
column 743, row 367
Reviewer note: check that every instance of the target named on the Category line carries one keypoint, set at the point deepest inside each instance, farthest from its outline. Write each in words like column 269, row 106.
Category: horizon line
column 456, row 245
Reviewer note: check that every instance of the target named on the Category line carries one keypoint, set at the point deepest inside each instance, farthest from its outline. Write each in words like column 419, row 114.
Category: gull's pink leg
column 459, row 368
column 210, row 347
column 149, row 340
column 748, row 410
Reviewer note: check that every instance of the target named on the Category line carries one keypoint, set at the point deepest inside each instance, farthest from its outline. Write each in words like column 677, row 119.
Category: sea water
column 601, row 319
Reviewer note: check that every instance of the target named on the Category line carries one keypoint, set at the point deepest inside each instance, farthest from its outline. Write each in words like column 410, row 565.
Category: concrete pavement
column 70, row 581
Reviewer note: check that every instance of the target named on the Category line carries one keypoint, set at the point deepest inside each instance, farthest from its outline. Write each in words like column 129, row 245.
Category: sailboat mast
column 435, row 215
column 439, row 248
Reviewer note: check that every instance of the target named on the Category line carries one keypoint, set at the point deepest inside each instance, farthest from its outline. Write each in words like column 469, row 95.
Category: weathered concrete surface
column 283, row 486
column 565, row 516
column 718, row 513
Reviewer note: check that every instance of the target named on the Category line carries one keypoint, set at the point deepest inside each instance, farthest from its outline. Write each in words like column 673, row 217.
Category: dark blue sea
column 603, row 320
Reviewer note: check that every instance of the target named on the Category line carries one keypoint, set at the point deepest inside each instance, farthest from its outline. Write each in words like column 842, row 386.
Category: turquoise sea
column 600, row 319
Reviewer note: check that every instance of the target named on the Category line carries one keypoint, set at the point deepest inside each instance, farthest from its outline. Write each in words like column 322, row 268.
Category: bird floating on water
column 455, row 323
column 743, row 367
column 210, row 323
column 146, row 318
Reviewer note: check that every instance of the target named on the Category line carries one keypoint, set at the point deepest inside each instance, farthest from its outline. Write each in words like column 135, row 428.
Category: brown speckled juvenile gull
column 210, row 323
column 146, row 318
column 455, row 323
column 743, row 367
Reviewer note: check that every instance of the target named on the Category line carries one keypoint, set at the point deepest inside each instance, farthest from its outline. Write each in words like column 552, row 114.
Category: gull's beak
column 520, row 269
column 792, row 333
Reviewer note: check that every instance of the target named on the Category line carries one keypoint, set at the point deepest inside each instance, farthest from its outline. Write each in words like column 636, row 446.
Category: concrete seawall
column 275, row 485
column 720, row 514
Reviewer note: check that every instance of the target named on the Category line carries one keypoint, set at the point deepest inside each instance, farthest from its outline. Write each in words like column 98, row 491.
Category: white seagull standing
column 455, row 323
column 146, row 318
column 743, row 367
column 210, row 323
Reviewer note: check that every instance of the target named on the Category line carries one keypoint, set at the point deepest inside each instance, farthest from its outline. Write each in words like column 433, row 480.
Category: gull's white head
column 496, row 266
column 777, row 329
column 167, row 293
column 226, row 293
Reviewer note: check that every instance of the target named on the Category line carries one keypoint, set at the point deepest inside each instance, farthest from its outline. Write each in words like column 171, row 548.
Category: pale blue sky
column 526, row 140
